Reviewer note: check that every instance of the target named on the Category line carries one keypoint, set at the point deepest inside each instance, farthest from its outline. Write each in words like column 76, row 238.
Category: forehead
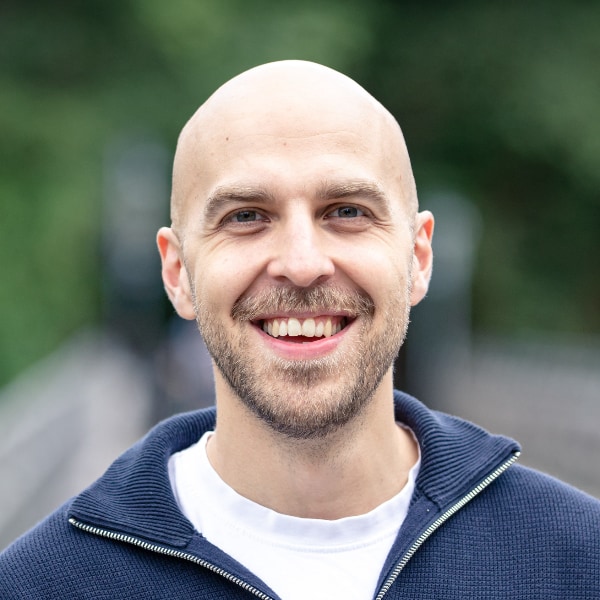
column 285, row 132
column 296, row 143
column 245, row 147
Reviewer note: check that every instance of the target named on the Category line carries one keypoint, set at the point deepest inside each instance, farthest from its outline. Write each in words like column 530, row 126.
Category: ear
column 174, row 273
column 422, row 256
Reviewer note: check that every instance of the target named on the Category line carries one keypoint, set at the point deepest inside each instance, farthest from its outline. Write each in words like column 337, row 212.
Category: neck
column 349, row 472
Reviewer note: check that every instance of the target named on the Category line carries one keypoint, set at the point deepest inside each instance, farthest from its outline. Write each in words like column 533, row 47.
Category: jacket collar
column 134, row 496
column 455, row 454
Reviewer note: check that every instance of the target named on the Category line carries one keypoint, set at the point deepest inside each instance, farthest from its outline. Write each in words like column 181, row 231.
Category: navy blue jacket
column 478, row 527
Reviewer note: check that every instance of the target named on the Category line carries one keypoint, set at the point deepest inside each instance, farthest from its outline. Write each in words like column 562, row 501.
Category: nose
column 300, row 254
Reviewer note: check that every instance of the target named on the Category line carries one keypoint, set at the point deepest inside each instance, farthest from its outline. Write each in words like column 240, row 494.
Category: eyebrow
column 358, row 188
column 238, row 194
column 232, row 195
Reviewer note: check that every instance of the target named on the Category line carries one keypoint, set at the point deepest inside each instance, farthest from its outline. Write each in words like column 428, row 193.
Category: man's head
column 296, row 242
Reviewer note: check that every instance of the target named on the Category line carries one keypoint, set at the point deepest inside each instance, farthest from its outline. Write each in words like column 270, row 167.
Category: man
column 297, row 246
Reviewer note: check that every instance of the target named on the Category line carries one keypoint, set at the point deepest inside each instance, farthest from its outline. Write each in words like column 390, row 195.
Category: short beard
column 288, row 395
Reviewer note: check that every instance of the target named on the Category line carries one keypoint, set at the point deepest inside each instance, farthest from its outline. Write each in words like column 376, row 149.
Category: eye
column 245, row 216
column 346, row 212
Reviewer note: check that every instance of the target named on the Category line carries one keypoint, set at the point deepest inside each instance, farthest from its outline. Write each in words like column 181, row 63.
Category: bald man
column 297, row 246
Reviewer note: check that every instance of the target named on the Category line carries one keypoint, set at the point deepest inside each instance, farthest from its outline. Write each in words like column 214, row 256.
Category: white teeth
column 308, row 328
column 283, row 328
column 293, row 327
column 319, row 329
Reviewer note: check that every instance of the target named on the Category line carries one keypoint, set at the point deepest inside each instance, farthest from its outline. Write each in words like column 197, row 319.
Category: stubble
column 306, row 399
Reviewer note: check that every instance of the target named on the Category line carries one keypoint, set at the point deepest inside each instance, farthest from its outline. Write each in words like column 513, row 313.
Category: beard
column 306, row 399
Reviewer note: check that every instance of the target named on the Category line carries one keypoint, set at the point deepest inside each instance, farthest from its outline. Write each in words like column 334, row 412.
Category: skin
column 290, row 180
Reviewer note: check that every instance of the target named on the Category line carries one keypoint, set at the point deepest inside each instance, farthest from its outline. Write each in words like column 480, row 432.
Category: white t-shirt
column 297, row 558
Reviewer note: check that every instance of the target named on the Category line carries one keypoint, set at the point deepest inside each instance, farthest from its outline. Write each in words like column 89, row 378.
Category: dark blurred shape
column 136, row 193
column 441, row 325
column 184, row 369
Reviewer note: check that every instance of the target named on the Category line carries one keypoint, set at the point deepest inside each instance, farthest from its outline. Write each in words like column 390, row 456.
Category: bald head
column 293, row 100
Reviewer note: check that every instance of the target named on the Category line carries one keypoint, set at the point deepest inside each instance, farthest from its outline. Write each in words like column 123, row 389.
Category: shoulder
column 540, row 511
column 529, row 524
column 536, row 488
column 31, row 564
column 525, row 534
column 56, row 560
column 540, row 493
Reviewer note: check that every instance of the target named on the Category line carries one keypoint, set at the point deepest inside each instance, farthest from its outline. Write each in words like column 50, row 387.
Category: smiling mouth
column 309, row 329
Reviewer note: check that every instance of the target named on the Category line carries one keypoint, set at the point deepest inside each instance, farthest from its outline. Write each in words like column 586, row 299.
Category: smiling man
column 303, row 257
column 297, row 246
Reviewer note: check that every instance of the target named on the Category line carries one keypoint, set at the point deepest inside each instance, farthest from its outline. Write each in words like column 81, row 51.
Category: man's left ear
column 422, row 256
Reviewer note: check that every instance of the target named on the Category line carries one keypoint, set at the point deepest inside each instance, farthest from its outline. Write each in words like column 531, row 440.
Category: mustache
column 292, row 299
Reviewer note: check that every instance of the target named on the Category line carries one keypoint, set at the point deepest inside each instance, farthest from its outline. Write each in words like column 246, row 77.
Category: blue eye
column 246, row 216
column 245, row 220
column 347, row 212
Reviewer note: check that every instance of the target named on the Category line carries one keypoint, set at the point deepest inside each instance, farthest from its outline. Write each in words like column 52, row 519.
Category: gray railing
column 62, row 423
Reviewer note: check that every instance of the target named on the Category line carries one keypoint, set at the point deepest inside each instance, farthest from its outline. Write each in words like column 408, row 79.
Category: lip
column 303, row 350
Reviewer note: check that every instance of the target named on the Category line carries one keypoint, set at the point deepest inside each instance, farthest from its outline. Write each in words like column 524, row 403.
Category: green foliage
column 498, row 100
column 502, row 102
column 74, row 77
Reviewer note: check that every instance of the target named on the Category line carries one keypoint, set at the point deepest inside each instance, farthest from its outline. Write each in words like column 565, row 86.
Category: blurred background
column 500, row 107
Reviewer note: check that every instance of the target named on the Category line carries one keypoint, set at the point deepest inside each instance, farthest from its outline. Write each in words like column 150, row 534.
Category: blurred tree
column 73, row 77
column 501, row 101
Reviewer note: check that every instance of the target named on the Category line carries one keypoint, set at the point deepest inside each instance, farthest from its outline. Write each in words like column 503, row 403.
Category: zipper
column 128, row 539
column 441, row 520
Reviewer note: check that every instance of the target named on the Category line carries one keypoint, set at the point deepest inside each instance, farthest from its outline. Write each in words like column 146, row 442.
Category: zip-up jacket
column 478, row 527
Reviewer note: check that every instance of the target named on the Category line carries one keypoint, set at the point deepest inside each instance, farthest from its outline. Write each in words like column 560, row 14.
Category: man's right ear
column 174, row 273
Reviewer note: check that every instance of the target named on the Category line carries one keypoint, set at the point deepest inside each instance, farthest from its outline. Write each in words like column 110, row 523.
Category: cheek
column 220, row 282
column 382, row 271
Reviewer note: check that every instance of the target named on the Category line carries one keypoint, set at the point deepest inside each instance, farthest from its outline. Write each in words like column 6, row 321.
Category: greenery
column 499, row 102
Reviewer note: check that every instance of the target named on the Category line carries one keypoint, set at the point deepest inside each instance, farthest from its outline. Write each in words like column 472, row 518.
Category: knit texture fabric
column 476, row 528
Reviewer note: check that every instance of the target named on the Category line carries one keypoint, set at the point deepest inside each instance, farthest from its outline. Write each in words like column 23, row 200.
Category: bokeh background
column 500, row 106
